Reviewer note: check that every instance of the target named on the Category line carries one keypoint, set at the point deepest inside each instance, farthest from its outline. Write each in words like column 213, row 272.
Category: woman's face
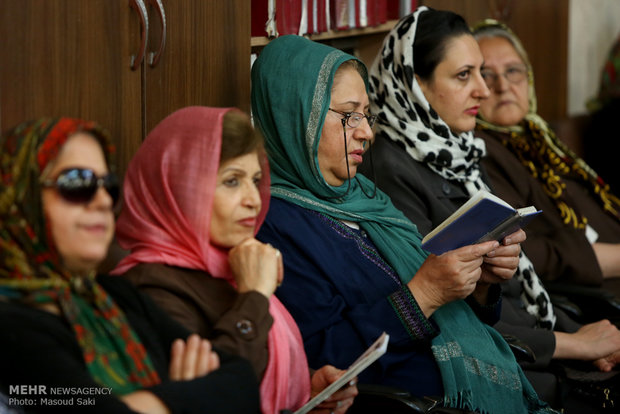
column 456, row 87
column 81, row 232
column 348, row 95
column 236, row 202
column 509, row 102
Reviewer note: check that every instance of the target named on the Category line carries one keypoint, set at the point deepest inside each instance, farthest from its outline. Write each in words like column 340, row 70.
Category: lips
column 95, row 227
column 357, row 155
column 505, row 102
column 248, row 222
column 473, row 111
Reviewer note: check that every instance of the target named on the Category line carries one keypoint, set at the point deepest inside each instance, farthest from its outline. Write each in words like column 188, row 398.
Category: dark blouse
column 40, row 348
column 343, row 295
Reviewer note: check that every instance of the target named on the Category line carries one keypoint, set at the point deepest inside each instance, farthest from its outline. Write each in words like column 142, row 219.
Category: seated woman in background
column 430, row 168
column 195, row 194
column 577, row 239
column 353, row 263
column 62, row 325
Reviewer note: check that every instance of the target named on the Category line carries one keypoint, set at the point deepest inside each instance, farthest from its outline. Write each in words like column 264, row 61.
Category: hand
column 608, row 363
column 449, row 277
column 256, row 266
column 341, row 400
column 192, row 359
column 599, row 341
column 501, row 264
column 145, row 402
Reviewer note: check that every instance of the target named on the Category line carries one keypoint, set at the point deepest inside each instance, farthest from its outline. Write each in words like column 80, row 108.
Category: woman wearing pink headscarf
column 196, row 193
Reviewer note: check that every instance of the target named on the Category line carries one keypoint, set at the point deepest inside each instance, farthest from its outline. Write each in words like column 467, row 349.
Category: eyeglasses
column 514, row 74
column 354, row 119
column 79, row 185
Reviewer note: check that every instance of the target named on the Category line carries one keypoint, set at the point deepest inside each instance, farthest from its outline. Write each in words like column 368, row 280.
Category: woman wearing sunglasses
column 196, row 192
column 353, row 262
column 73, row 341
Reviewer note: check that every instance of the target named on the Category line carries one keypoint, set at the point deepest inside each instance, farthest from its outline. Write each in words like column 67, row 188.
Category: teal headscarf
column 291, row 91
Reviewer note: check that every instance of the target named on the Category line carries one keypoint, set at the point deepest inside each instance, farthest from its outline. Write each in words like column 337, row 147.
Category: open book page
column 371, row 355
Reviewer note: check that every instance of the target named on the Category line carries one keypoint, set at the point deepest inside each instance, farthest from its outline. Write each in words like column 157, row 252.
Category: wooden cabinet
column 72, row 57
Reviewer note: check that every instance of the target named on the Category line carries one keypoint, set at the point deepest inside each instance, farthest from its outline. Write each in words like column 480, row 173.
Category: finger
column 518, row 236
column 190, row 358
column 475, row 251
column 245, row 244
column 280, row 268
column 507, row 262
column 204, row 353
column 343, row 394
column 214, row 361
column 500, row 274
column 176, row 359
column 512, row 250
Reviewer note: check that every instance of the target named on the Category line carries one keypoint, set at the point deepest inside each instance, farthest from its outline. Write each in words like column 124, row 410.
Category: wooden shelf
column 259, row 41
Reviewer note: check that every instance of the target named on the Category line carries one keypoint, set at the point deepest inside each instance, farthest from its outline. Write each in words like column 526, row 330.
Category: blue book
column 482, row 218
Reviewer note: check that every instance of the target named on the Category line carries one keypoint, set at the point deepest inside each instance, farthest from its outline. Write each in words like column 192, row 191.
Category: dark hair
column 435, row 29
column 239, row 137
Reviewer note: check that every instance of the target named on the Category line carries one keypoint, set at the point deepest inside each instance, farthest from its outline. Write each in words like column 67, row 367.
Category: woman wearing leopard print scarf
column 428, row 161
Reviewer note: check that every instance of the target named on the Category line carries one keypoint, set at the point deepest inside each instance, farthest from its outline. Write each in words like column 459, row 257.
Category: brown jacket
column 237, row 323
column 559, row 253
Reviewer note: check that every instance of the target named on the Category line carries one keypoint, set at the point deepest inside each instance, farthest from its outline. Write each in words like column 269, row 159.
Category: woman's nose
column 251, row 196
column 501, row 83
column 102, row 199
column 482, row 90
column 363, row 131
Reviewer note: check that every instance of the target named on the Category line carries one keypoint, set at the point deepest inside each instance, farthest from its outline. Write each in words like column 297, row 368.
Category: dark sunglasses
column 79, row 185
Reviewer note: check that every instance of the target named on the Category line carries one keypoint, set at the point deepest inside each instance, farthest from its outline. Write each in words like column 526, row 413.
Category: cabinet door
column 206, row 60
column 72, row 57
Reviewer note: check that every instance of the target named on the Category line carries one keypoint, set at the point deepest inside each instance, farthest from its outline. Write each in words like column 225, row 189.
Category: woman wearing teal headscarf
column 353, row 263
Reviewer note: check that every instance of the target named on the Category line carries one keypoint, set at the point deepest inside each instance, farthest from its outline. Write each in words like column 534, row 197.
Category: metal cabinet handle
column 154, row 56
column 140, row 8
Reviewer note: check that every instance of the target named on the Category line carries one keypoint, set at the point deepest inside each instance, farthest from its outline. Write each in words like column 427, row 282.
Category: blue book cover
column 484, row 217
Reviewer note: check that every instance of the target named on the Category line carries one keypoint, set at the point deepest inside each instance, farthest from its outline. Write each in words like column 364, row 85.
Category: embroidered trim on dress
column 402, row 301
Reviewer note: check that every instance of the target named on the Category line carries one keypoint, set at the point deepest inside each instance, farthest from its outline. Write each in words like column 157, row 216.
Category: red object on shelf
column 340, row 14
column 392, row 9
column 259, row 17
column 288, row 16
column 381, row 10
column 322, row 15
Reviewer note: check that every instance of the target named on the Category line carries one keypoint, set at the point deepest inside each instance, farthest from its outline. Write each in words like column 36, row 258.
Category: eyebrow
column 354, row 103
column 240, row 170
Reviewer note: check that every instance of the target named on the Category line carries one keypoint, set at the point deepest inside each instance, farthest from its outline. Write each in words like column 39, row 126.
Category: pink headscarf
column 168, row 191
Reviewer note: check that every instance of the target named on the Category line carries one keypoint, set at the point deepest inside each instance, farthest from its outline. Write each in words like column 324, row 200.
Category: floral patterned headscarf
column 540, row 151
column 31, row 271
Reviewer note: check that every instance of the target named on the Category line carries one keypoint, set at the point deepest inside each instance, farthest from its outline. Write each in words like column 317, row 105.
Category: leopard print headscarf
column 405, row 116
